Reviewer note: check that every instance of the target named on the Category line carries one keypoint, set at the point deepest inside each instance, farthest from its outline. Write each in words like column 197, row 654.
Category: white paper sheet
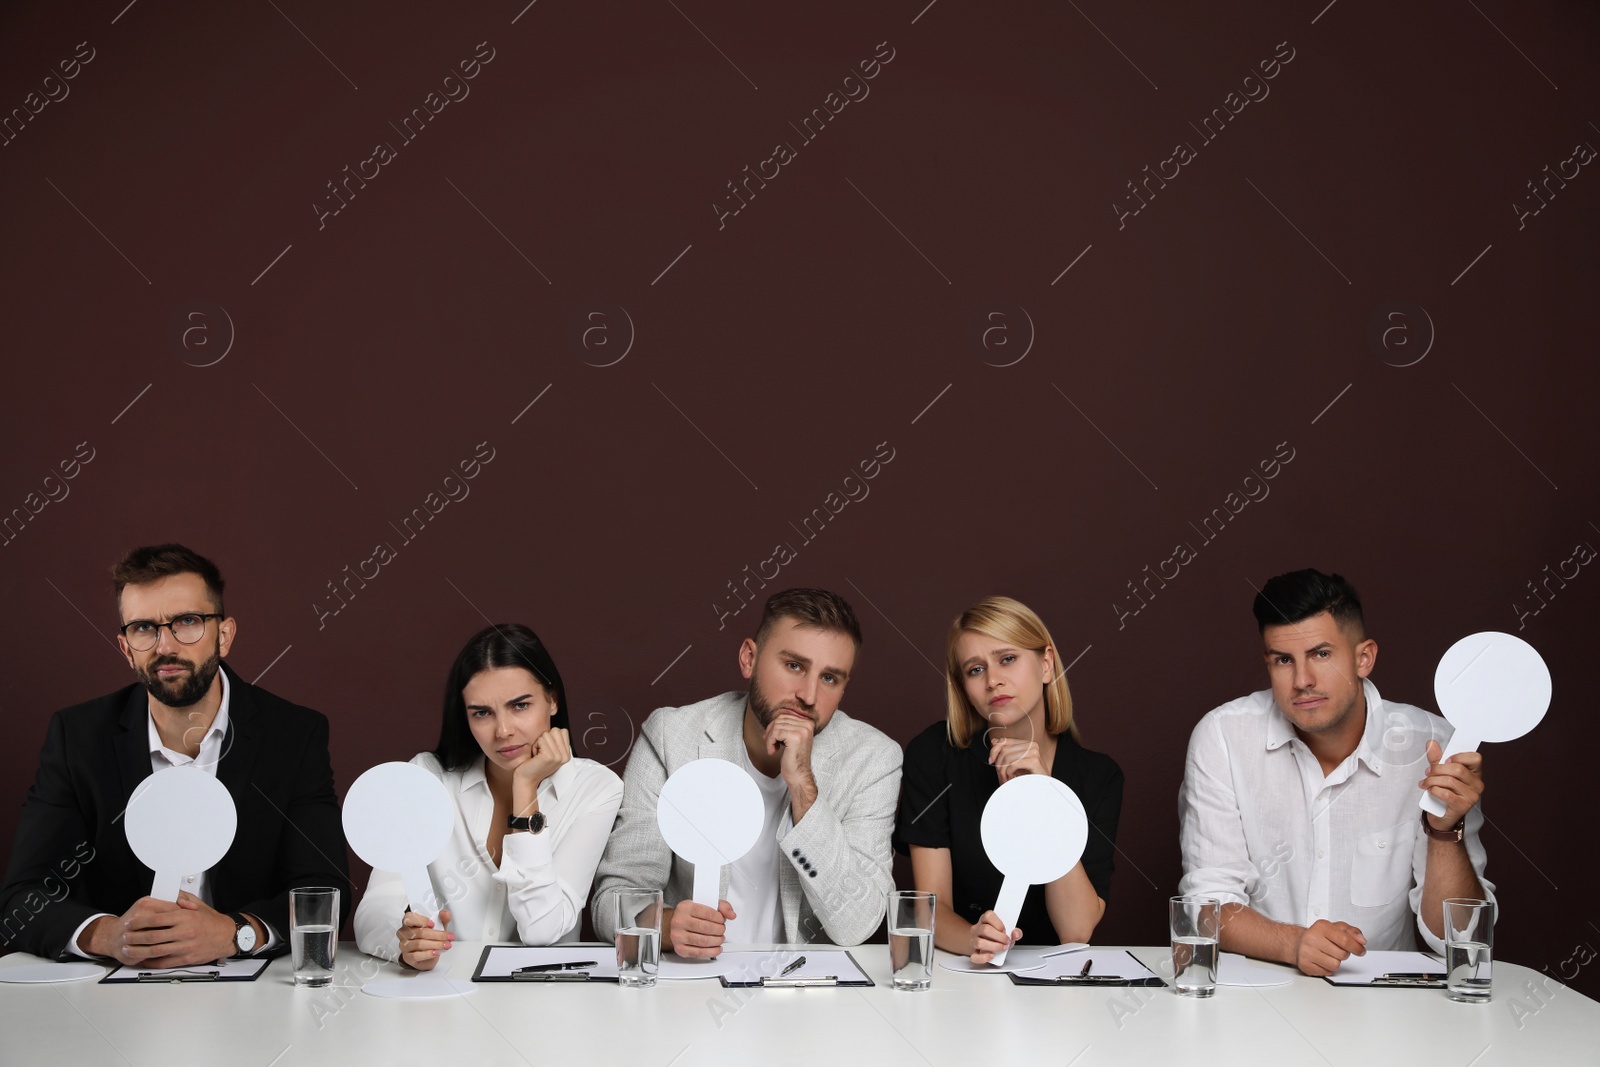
column 1361, row 970
column 420, row 987
column 1234, row 969
column 762, row 961
column 1020, row 958
column 678, row 968
column 28, row 973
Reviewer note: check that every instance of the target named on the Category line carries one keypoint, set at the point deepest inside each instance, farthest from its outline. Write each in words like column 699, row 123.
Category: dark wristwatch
column 244, row 935
column 1454, row 833
column 533, row 823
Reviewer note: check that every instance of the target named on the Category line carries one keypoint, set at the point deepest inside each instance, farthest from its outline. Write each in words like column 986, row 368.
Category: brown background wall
column 353, row 363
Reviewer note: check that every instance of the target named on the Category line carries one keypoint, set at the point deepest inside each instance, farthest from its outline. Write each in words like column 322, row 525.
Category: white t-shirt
column 753, row 878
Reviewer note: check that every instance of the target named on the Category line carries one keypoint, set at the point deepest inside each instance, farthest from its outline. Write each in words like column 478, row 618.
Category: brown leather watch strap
column 1454, row 833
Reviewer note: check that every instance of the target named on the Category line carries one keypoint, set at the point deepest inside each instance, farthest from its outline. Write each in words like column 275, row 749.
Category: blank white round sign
column 1492, row 686
column 398, row 818
column 179, row 822
column 710, row 813
column 1034, row 828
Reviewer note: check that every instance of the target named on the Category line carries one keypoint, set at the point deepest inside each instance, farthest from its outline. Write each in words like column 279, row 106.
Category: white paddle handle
column 1459, row 742
column 707, row 884
column 1013, row 891
column 419, row 893
column 165, row 886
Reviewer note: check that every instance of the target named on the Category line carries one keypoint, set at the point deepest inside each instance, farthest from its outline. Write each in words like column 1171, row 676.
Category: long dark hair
column 506, row 645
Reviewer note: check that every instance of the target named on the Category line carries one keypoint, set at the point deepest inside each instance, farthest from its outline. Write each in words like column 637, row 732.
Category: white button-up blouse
column 537, row 894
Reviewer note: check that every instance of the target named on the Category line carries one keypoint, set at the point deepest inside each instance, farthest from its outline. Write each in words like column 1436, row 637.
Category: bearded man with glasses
column 74, row 888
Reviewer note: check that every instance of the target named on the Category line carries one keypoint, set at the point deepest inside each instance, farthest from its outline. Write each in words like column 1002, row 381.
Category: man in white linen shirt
column 829, row 785
column 1299, row 803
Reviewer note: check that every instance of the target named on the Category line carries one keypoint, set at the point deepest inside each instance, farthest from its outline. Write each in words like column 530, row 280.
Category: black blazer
column 71, row 857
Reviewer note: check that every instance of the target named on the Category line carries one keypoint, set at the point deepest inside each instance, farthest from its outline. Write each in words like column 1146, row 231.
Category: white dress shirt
column 161, row 758
column 1262, row 826
column 537, row 894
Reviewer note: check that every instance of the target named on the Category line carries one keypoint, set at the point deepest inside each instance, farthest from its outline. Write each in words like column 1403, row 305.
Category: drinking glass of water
column 313, row 935
column 1196, row 924
column 1468, row 949
column 911, row 938
column 638, row 937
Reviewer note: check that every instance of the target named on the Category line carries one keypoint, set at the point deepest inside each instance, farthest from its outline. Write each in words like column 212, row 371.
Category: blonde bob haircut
column 1013, row 622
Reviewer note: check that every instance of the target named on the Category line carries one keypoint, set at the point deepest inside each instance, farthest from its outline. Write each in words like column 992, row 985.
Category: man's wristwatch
column 533, row 823
column 1454, row 833
column 244, row 935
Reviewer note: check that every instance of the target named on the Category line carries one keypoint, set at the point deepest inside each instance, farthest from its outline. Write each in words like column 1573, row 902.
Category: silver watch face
column 245, row 939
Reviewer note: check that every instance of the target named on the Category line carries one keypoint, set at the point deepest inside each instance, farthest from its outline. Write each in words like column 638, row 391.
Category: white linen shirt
column 1260, row 824
column 537, row 894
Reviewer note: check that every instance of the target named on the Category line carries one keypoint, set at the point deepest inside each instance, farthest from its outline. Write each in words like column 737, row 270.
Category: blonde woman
column 1008, row 712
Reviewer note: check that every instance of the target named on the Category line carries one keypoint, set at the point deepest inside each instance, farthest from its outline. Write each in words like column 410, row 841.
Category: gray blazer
column 834, row 886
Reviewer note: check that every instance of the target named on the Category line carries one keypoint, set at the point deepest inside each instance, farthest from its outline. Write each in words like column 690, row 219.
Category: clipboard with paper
column 245, row 970
column 557, row 963
column 792, row 970
column 1388, row 969
column 1093, row 967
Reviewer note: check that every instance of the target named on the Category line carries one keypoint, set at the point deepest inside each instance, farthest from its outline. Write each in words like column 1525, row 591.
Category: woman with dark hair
column 1007, row 712
column 531, row 821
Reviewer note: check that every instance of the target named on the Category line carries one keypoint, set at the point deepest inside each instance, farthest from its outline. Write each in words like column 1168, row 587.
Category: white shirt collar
column 218, row 729
column 1370, row 750
column 1280, row 731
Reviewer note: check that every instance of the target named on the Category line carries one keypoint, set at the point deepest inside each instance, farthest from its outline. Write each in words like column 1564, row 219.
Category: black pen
column 178, row 976
column 1086, row 965
column 799, row 962
column 538, row 967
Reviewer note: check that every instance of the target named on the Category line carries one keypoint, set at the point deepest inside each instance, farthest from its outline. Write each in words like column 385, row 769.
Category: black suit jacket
column 71, row 857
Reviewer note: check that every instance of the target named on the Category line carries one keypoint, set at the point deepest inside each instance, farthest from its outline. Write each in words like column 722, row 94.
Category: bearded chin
column 190, row 692
column 764, row 711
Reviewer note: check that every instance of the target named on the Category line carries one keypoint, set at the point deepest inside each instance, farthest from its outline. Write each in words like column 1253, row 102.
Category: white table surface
column 964, row 1020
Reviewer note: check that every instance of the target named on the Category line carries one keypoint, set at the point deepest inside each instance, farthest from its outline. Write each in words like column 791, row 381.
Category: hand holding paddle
column 1034, row 831
column 1492, row 687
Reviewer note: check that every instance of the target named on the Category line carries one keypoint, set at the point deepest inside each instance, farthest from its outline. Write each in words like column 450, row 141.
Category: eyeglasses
column 142, row 634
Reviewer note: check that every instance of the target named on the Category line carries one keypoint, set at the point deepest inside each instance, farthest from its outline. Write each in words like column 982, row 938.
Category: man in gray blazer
column 820, row 869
